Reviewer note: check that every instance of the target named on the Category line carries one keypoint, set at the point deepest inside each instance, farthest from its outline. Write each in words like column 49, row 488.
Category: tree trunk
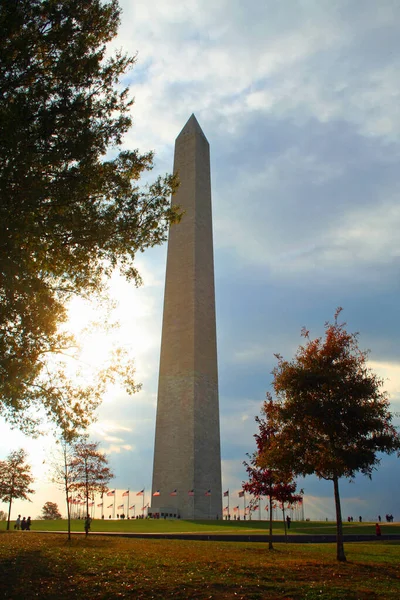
column 87, row 488
column 66, row 482
column 284, row 521
column 270, row 546
column 9, row 515
column 68, row 518
column 340, row 555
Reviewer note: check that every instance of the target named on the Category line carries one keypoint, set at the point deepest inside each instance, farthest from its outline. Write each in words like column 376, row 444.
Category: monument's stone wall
column 187, row 447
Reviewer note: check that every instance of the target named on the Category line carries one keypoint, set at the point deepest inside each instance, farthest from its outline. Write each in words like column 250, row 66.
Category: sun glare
column 98, row 328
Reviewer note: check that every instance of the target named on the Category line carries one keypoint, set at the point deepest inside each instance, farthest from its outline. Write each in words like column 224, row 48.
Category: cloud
column 117, row 449
column 390, row 374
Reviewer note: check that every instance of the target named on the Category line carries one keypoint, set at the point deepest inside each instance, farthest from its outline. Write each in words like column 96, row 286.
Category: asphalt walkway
column 218, row 537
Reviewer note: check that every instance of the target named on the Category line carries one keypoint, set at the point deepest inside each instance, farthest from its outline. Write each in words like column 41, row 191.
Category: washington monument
column 187, row 455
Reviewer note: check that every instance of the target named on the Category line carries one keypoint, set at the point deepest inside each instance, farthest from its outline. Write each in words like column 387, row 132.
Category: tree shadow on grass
column 31, row 575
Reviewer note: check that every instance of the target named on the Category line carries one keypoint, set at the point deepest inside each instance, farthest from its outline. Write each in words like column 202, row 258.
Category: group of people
column 24, row 524
column 389, row 518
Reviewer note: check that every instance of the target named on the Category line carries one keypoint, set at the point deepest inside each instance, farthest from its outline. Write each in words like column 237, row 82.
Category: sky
column 300, row 102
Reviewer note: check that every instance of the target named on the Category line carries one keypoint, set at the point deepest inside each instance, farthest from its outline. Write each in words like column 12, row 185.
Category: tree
column 63, row 473
column 15, row 479
column 88, row 470
column 50, row 511
column 3, row 515
column 71, row 210
column 276, row 484
column 330, row 414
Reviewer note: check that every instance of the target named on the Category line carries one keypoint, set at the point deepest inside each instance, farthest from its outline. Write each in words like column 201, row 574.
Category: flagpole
column 191, row 493
column 102, row 505
column 143, row 503
column 114, row 505
column 259, row 508
column 244, row 506
column 228, row 507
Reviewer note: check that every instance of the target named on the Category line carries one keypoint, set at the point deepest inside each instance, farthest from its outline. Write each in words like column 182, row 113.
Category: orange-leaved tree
column 15, row 479
column 330, row 414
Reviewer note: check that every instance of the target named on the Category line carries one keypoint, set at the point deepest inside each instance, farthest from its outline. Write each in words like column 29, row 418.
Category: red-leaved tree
column 89, row 470
column 277, row 484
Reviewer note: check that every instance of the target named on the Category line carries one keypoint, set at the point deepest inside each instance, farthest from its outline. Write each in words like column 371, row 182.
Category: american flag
column 156, row 493
column 125, row 493
column 141, row 493
column 120, row 506
column 111, row 493
column 241, row 494
column 101, row 504
column 191, row 493
column 208, row 493
column 111, row 505
column 132, row 507
column 174, row 493
column 144, row 507
column 226, row 493
column 235, row 508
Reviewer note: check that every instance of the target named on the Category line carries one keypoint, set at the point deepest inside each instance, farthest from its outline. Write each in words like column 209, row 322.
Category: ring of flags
column 255, row 503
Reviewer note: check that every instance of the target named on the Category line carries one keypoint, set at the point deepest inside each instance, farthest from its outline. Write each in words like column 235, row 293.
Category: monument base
column 164, row 512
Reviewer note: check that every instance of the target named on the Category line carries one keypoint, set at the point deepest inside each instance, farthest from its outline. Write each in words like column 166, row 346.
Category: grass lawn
column 177, row 526
column 50, row 567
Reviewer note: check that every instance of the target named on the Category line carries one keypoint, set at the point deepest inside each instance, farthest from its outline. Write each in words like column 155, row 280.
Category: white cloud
column 390, row 373
column 118, row 449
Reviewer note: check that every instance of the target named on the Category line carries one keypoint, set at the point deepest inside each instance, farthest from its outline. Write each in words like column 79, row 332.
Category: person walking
column 377, row 529
column 28, row 524
column 18, row 522
column 88, row 520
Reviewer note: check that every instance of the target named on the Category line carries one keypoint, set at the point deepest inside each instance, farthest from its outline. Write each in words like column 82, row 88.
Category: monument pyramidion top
column 192, row 127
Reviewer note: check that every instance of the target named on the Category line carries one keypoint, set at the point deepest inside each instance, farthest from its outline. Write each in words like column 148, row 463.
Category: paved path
column 221, row 537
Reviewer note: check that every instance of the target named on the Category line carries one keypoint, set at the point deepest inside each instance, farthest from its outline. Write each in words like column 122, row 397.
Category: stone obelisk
column 187, row 455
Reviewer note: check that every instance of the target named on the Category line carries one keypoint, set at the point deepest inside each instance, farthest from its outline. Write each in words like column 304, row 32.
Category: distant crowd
column 389, row 519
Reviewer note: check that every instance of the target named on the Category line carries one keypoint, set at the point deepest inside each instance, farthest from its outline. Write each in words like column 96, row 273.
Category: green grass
column 49, row 567
column 229, row 527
